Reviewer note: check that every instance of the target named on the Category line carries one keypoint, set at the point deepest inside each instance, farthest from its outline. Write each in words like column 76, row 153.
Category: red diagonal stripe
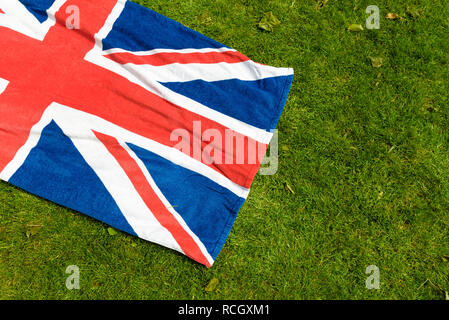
column 146, row 192
column 1, row 11
column 165, row 58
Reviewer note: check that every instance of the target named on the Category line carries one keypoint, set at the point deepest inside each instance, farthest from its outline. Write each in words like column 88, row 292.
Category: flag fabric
column 115, row 111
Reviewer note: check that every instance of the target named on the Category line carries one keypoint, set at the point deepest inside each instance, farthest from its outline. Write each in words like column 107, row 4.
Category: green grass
column 364, row 149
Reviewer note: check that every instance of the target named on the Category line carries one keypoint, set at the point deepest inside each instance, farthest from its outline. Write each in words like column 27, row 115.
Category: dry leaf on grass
column 355, row 27
column 268, row 22
column 392, row 16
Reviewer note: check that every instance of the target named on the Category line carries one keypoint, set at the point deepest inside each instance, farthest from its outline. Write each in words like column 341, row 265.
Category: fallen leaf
column 287, row 186
column 381, row 194
column 355, row 27
column 268, row 22
column 376, row 62
column 445, row 258
column 212, row 285
column 112, row 231
column 392, row 16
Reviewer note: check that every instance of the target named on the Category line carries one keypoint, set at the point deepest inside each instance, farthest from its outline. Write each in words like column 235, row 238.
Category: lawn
column 363, row 173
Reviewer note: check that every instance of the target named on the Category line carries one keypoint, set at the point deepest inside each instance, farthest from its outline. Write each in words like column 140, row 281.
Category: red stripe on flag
column 165, row 58
column 146, row 192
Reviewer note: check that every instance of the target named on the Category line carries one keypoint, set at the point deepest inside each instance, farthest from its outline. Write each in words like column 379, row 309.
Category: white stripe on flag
column 3, row 84
column 175, row 72
column 156, row 51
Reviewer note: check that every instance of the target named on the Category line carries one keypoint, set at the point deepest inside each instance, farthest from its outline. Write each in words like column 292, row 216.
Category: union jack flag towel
column 133, row 119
